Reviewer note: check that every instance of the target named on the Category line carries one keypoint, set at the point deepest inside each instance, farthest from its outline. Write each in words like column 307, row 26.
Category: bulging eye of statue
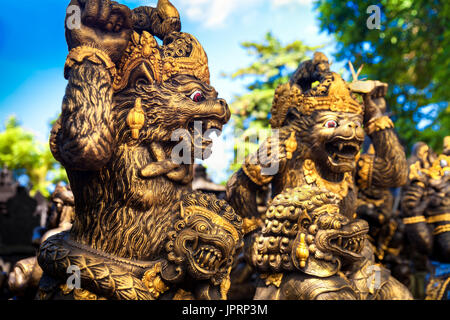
column 331, row 124
column 197, row 96
column 201, row 227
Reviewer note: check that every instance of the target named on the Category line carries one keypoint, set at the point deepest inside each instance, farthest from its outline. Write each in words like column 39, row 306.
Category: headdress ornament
column 331, row 92
column 181, row 53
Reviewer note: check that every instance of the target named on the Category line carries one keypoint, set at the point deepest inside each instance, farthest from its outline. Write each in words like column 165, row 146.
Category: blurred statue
column 24, row 279
column 132, row 123
column 8, row 188
column 311, row 245
column 203, row 183
column 386, row 234
column 426, row 207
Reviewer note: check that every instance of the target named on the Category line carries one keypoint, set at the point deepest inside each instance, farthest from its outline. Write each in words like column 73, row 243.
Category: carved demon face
column 304, row 230
column 182, row 109
column 205, row 238
column 338, row 137
column 331, row 234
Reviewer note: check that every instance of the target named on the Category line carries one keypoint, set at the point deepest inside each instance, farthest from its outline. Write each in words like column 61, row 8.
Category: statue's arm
column 258, row 170
column 414, row 203
column 390, row 168
column 82, row 137
column 241, row 194
column 387, row 167
column 159, row 21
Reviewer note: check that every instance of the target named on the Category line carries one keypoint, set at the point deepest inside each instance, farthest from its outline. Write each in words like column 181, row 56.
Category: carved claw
column 163, row 165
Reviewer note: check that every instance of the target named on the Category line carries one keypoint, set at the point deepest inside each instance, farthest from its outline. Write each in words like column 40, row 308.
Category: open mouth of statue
column 349, row 243
column 206, row 258
column 340, row 150
column 353, row 244
column 200, row 131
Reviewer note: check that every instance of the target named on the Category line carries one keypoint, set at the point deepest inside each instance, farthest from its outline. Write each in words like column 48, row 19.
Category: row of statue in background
column 323, row 226
column 22, row 280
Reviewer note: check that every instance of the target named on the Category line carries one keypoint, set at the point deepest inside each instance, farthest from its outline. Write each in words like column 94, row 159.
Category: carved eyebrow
column 330, row 116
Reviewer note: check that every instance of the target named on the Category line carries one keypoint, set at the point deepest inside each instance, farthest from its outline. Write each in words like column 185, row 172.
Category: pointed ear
column 304, row 220
column 141, row 74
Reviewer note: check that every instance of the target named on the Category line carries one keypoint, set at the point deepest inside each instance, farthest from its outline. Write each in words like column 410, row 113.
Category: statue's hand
column 271, row 151
column 105, row 25
column 374, row 102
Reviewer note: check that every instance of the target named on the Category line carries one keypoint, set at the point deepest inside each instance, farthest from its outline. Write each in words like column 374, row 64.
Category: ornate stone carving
column 310, row 233
column 426, row 208
column 139, row 232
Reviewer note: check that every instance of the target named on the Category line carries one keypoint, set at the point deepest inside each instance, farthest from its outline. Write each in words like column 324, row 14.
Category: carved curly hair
column 284, row 219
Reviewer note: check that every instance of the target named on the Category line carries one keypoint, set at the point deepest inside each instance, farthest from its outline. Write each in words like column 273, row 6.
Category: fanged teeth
column 208, row 258
column 352, row 244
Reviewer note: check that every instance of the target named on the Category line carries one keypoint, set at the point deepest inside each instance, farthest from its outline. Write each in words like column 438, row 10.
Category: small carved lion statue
column 303, row 246
column 24, row 279
column 131, row 125
column 194, row 262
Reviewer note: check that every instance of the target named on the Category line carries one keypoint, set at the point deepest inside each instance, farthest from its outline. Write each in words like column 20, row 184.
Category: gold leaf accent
column 81, row 294
column 144, row 50
column 441, row 229
column 437, row 170
column 413, row 220
column 183, row 295
column 65, row 290
column 225, row 285
column 365, row 166
column 251, row 224
column 378, row 124
column 78, row 54
column 211, row 216
column 274, row 278
column 291, row 145
column 153, row 281
column 302, row 252
column 312, row 176
column 436, row 288
column 136, row 118
column 339, row 99
column 439, row 218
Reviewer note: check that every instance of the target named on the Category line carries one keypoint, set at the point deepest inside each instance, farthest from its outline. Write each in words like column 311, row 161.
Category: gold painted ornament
column 136, row 118
column 302, row 252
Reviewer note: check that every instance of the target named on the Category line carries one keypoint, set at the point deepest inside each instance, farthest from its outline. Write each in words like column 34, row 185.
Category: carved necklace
column 312, row 176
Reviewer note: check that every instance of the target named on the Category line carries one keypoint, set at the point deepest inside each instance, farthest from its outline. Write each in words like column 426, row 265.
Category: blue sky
column 33, row 52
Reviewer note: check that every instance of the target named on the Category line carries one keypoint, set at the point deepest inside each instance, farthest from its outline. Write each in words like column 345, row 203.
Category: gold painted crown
column 332, row 93
column 181, row 53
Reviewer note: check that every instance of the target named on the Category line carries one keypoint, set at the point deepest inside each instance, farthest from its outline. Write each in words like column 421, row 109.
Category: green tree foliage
column 411, row 52
column 21, row 152
column 273, row 64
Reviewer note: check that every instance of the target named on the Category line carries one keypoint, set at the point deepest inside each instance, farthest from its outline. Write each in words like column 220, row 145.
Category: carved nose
column 222, row 102
column 352, row 125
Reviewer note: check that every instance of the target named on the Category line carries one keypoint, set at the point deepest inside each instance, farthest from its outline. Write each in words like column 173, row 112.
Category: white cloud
column 215, row 13
column 285, row 2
